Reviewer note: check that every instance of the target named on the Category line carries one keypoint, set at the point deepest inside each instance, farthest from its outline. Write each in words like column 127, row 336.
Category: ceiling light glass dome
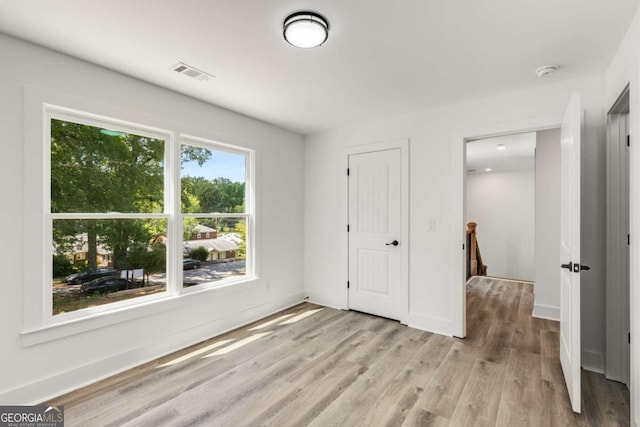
column 306, row 29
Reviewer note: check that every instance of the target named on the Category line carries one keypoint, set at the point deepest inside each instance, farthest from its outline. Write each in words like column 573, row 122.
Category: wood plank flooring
column 318, row 366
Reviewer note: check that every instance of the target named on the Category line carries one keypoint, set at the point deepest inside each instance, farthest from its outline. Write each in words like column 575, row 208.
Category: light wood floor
column 318, row 366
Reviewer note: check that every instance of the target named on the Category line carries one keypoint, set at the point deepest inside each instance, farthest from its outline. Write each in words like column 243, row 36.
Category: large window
column 135, row 213
column 214, row 212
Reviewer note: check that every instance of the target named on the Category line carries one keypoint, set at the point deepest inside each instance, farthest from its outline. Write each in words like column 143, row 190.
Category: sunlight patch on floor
column 285, row 319
column 300, row 316
column 271, row 322
column 196, row 353
column 237, row 345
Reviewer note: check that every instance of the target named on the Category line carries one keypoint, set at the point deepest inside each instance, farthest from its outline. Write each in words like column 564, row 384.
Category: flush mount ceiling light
column 305, row 29
column 501, row 147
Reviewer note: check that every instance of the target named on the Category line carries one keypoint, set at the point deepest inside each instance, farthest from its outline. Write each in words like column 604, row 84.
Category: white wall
column 503, row 205
column 32, row 372
column 433, row 267
column 547, row 275
column 624, row 69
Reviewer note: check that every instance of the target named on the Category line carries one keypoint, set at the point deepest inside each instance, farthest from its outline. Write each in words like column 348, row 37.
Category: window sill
column 96, row 321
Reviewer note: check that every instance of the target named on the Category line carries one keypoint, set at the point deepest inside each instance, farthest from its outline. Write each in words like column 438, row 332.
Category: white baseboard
column 593, row 361
column 326, row 300
column 431, row 324
column 546, row 312
column 83, row 375
column 506, row 279
column 417, row 321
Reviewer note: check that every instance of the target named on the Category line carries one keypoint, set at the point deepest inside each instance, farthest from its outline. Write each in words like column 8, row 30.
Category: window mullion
column 174, row 252
column 115, row 215
column 250, row 174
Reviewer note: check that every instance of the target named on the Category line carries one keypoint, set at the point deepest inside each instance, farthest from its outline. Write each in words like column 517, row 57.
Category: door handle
column 576, row 268
column 394, row 243
column 567, row 266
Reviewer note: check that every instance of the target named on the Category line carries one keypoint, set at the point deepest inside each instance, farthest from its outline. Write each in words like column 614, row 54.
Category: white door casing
column 570, row 141
column 617, row 360
column 458, row 225
column 378, row 267
column 634, row 256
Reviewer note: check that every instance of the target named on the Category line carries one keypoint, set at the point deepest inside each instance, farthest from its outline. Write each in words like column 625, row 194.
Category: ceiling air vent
column 192, row 72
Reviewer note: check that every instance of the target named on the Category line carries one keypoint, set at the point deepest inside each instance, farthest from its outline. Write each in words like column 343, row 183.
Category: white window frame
column 39, row 324
column 80, row 117
column 248, row 214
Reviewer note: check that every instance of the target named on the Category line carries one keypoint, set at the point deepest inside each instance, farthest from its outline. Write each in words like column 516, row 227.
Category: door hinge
column 628, row 141
column 348, row 171
column 348, row 285
column 629, row 337
column 347, row 228
column 463, row 246
column 628, row 240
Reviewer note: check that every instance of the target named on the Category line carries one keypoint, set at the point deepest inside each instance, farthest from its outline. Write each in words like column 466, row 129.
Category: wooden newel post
column 475, row 265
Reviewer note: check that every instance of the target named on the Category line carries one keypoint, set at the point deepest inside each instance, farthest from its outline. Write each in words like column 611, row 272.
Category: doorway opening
column 512, row 193
column 500, row 206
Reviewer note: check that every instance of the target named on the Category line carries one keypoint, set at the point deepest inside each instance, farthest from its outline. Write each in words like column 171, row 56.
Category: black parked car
column 190, row 264
column 108, row 284
column 87, row 276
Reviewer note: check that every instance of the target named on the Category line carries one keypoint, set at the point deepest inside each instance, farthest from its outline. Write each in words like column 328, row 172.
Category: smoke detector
column 546, row 70
column 192, row 72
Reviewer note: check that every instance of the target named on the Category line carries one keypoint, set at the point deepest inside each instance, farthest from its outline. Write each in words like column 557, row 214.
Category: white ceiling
column 382, row 57
column 518, row 154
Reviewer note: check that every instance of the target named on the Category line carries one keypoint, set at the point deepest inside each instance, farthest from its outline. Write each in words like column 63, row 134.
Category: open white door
column 570, row 249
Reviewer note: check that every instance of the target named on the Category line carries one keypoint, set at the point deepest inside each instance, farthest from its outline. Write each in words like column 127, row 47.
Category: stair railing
column 475, row 266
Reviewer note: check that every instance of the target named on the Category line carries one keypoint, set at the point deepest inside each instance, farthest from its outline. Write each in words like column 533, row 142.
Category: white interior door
column 570, row 249
column 375, row 230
